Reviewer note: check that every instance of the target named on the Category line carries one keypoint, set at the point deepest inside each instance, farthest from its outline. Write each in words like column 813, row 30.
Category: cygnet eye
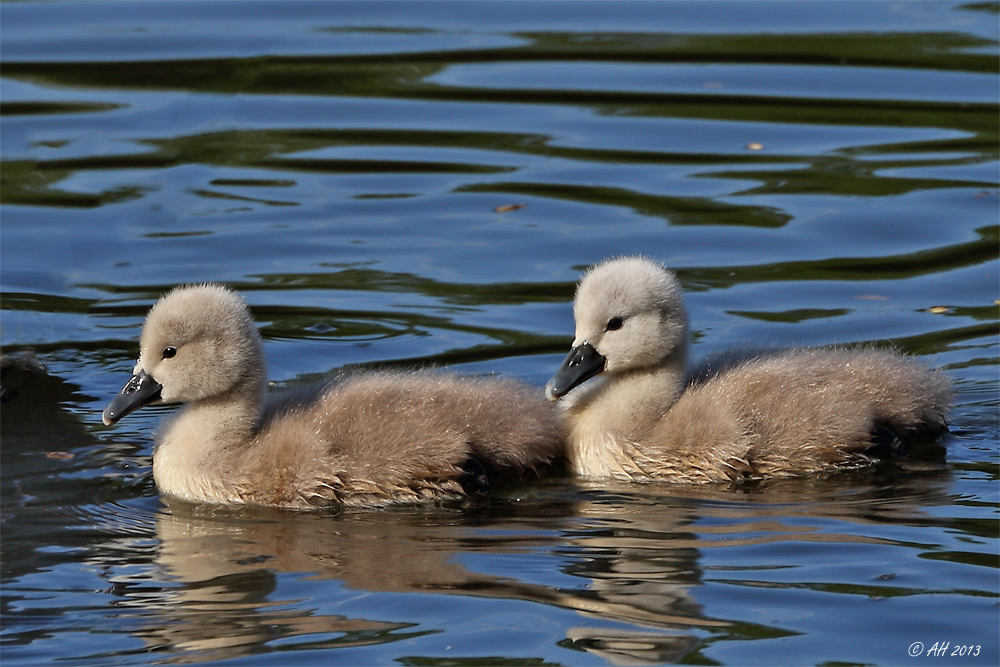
column 614, row 324
column 169, row 352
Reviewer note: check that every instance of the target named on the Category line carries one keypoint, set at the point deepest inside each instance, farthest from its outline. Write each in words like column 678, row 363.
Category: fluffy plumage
column 369, row 439
column 635, row 411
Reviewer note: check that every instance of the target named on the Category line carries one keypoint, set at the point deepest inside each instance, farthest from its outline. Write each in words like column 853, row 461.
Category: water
column 818, row 173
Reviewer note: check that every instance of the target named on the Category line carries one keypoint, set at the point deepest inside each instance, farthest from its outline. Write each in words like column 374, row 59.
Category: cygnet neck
column 209, row 435
column 606, row 427
column 652, row 391
column 229, row 419
column 629, row 401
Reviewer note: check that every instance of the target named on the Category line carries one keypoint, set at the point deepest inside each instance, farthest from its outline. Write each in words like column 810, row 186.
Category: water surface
column 421, row 184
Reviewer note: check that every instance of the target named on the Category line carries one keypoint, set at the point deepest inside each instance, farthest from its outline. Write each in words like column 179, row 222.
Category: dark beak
column 141, row 390
column 582, row 363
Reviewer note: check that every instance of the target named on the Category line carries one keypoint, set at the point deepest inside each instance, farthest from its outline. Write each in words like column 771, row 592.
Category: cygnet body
column 370, row 439
column 634, row 410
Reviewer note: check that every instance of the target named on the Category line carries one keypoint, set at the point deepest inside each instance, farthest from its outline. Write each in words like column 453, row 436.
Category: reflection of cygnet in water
column 642, row 566
column 633, row 647
column 231, row 560
column 369, row 440
column 629, row 560
column 658, row 550
column 634, row 413
column 223, row 569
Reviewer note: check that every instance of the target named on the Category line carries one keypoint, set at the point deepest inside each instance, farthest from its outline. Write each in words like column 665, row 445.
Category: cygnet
column 634, row 409
column 369, row 439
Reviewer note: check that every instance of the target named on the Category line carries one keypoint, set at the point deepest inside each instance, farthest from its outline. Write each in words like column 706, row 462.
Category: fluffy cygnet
column 634, row 411
column 370, row 439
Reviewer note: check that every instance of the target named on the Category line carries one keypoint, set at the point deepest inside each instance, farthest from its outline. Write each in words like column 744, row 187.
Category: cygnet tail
column 908, row 398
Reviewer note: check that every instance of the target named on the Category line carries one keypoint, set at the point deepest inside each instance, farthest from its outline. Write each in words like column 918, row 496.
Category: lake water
column 421, row 184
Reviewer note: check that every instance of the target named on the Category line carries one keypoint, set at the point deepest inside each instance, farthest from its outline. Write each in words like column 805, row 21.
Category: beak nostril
column 582, row 363
column 132, row 385
column 140, row 390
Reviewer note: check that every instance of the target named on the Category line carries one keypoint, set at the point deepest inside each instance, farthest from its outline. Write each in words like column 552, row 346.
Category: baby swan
column 369, row 440
column 641, row 416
